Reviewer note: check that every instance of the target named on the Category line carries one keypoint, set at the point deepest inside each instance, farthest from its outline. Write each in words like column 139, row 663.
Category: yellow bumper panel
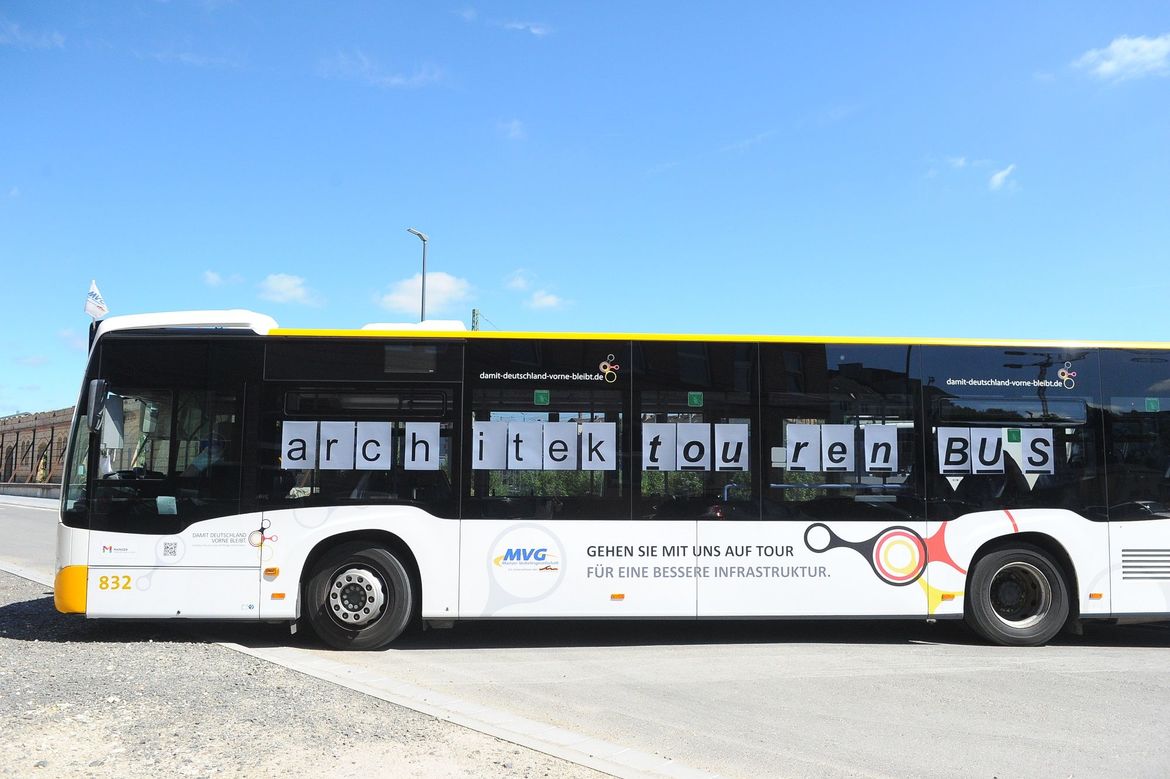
column 69, row 589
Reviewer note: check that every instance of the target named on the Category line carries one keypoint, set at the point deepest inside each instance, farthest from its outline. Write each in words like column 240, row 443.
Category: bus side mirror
column 98, row 389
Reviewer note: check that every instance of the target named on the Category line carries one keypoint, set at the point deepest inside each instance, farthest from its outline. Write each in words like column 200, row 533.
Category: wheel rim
column 1021, row 595
column 357, row 597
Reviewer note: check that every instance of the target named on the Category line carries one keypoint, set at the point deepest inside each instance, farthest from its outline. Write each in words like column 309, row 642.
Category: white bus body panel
column 1141, row 566
column 951, row 546
column 72, row 546
column 683, row 568
column 768, row 569
column 189, row 593
column 210, row 569
column 570, row 568
column 291, row 534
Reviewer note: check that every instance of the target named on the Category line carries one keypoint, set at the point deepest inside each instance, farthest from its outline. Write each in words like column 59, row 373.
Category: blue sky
column 943, row 169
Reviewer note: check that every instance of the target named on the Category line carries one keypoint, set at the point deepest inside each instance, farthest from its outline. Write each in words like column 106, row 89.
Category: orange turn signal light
column 1096, row 595
column 278, row 596
column 948, row 596
column 272, row 572
column 618, row 596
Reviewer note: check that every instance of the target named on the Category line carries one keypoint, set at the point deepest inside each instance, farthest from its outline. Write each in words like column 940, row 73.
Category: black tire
column 1017, row 597
column 358, row 596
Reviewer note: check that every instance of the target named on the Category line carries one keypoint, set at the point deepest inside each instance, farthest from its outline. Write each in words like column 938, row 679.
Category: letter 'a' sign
column 298, row 446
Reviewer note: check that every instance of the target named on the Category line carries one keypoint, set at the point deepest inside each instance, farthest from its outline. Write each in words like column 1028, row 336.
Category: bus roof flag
column 95, row 304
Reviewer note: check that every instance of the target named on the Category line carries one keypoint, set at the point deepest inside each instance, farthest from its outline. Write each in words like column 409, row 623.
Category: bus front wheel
column 1017, row 597
column 358, row 596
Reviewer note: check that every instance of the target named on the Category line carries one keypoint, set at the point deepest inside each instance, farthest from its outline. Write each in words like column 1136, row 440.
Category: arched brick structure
column 32, row 447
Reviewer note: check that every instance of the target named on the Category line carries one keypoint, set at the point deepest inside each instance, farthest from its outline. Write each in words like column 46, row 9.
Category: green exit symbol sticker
column 1013, row 435
column 540, row 397
column 1153, row 404
column 695, row 399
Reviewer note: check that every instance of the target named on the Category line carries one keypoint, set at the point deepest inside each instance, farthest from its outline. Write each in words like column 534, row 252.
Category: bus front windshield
column 161, row 459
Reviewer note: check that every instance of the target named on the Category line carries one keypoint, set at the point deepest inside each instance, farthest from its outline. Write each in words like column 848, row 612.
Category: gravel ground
column 91, row 698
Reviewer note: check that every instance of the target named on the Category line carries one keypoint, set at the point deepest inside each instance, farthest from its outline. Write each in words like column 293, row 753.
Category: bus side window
column 559, row 460
column 839, row 432
column 1137, row 430
column 698, row 431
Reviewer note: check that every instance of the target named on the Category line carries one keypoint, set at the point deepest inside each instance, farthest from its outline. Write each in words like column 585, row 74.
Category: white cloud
column 513, row 130
column 1000, row 177
column 539, row 29
column 11, row 34
column 518, row 280
column 521, row 280
column 356, row 66
column 443, row 292
column 31, row 361
column 468, row 14
column 283, row 288
column 14, row 192
column 74, row 340
column 1125, row 58
column 957, row 162
column 545, row 299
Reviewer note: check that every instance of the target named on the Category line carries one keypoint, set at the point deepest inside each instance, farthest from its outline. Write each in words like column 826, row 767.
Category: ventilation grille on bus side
column 1145, row 564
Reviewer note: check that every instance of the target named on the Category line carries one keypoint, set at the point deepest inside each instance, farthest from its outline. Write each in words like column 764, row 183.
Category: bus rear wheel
column 1017, row 597
column 358, row 596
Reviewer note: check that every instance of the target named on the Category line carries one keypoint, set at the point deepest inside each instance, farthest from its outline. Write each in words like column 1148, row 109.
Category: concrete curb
column 599, row 755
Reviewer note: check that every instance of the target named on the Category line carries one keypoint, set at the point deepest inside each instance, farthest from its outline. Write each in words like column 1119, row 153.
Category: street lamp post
column 422, row 316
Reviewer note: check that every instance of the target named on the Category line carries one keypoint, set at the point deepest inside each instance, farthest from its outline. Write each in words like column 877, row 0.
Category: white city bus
column 356, row 481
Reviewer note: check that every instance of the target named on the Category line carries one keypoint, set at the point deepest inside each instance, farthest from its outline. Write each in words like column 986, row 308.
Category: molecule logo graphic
column 1067, row 376
column 257, row 538
column 609, row 369
column 897, row 554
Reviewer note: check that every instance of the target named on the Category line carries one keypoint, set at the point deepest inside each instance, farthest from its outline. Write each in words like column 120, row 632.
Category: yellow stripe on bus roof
column 718, row 338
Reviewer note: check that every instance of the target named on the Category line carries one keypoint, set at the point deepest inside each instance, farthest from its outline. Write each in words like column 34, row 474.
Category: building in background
column 32, row 452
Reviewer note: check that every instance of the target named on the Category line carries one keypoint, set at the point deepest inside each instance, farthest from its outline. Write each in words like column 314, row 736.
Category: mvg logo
column 526, row 558
column 523, row 555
